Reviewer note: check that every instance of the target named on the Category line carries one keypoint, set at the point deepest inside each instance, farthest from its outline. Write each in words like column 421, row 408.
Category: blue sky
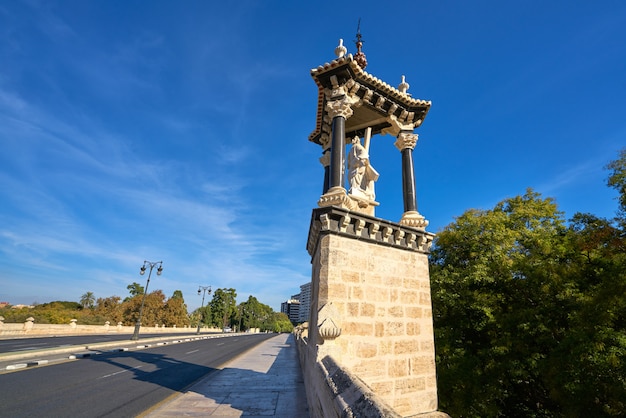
column 177, row 131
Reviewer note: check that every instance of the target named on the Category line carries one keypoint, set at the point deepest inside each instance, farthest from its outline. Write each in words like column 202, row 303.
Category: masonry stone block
column 367, row 309
column 413, row 328
column 406, row 346
column 396, row 311
column 366, row 350
column 351, row 276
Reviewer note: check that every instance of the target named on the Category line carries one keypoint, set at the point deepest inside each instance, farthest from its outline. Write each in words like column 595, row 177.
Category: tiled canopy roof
column 379, row 100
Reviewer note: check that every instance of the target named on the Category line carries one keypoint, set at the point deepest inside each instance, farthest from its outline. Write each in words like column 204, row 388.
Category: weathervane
column 359, row 57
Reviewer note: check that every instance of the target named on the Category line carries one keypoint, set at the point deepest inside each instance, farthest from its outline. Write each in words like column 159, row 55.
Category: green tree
column 529, row 313
column 87, row 300
column 109, row 309
column 175, row 311
column 495, row 277
column 135, row 289
column 152, row 310
column 587, row 368
column 617, row 178
column 277, row 322
column 202, row 314
column 252, row 313
column 223, row 307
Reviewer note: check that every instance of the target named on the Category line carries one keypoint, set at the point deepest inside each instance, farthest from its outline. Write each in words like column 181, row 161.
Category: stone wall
column 32, row 329
column 334, row 391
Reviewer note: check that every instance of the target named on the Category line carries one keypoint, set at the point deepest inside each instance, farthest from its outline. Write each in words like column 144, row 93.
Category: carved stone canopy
column 376, row 104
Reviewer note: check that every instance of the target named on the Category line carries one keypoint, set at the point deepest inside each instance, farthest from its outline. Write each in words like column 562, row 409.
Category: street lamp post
column 202, row 289
column 142, row 271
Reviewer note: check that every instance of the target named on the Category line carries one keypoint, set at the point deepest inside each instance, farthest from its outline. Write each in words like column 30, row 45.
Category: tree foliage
column 223, row 307
column 87, row 300
column 277, row 322
column 135, row 289
column 529, row 313
column 254, row 314
column 109, row 309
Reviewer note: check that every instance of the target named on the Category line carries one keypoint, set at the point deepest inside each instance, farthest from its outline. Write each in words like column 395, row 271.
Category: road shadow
column 154, row 368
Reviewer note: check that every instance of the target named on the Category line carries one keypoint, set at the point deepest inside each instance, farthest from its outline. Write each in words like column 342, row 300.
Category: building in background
column 292, row 309
column 305, row 302
column 298, row 307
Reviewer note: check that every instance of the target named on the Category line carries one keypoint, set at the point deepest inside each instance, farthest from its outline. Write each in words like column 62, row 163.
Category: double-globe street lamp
column 203, row 290
column 142, row 271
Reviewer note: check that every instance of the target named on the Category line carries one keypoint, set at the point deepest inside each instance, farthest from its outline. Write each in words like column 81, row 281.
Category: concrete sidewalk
column 263, row 382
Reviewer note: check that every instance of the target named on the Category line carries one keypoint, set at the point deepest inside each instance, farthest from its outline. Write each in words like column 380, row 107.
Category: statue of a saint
column 361, row 174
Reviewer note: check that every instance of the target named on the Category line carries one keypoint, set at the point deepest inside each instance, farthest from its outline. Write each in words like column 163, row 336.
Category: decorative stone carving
column 349, row 222
column 340, row 50
column 398, row 123
column 410, row 239
column 386, row 233
column 325, row 159
column 329, row 322
column 353, row 86
column 380, row 102
column 344, row 222
column 342, row 106
column 336, row 196
column 373, row 228
column 404, row 86
column 325, row 222
column 406, row 140
column 414, row 220
column 367, row 97
column 358, row 226
column 398, row 235
column 325, row 140
column 339, row 107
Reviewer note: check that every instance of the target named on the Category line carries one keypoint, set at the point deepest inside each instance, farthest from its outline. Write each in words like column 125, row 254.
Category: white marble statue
column 361, row 174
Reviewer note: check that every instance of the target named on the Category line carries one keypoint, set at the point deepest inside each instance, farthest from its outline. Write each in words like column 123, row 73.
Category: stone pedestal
column 371, row 308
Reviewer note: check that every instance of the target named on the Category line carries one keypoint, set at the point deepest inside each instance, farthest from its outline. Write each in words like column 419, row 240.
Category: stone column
column 405, row 142
column 339, row 110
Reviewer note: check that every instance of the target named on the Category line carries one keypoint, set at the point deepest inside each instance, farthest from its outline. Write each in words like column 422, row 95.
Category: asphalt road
column 122, row 384
column 29, row 344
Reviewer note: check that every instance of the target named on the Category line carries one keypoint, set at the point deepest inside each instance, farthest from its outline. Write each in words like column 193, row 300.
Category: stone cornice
column 338, row 221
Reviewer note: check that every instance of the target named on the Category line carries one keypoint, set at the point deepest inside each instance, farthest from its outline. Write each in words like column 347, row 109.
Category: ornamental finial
column 341, row 50
column 359, row 57
column 404, row 86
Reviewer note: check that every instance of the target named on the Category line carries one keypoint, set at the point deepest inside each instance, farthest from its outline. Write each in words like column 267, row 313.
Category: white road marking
column 120, row 372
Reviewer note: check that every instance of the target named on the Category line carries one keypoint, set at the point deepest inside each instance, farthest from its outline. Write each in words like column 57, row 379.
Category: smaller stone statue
column 361, row 174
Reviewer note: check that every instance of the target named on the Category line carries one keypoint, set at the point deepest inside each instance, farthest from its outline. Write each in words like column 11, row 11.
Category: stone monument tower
column 371, row 309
